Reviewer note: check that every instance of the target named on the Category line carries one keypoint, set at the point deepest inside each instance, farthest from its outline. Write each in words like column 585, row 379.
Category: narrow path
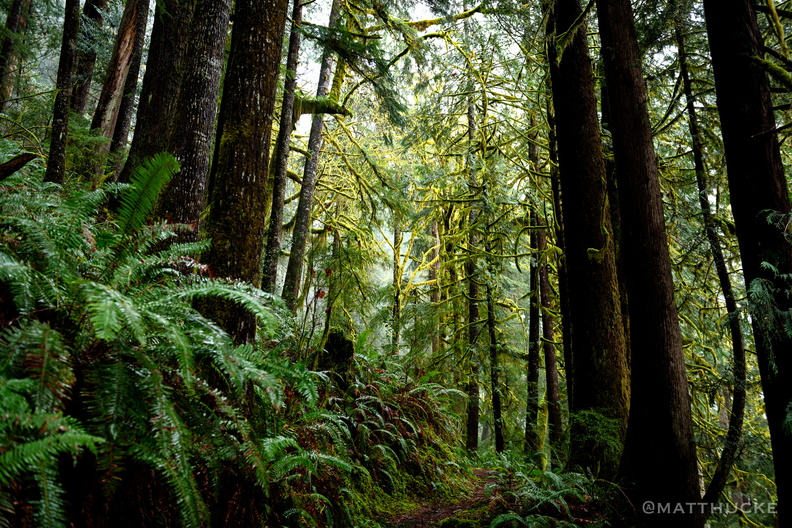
column 432, row 514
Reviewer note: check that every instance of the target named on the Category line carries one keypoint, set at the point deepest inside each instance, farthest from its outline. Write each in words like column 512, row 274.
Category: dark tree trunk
column 56, row 164
column 86, row 58
column 8, row 53
column 132, row 23
column 600, row 378
column 495, row 386
column 731, row 444
column 161, row 83
column 238, row 181
column 282, row 147
column 563, row 275
column 532, row 436
column 302, row 221
column 757, row 185
column 659, row 460
column 184, row 199
column 473, row 410
column 554, row 425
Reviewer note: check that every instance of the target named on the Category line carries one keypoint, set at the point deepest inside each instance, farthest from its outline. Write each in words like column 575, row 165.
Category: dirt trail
column 432, row 514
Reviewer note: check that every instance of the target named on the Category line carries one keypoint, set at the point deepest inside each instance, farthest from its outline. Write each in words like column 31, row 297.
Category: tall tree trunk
column 184, row 199
column 133, row 22
column 757, row 185
column 238, row 182
column 563, row 275
column 659, row 460
column 161, row 83
column 600, row 378
column 56, row 164
column 434, row 288
column 302, row 221
column 555, row 427
column 532, row 436
column 282, row 148
column 398, row 270
column 495, row 386
column 86, row 58
column 9, row 55
column 731, row 444
column 127, row 108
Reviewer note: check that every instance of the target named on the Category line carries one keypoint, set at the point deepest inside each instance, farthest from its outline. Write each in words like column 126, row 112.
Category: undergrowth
column 121, row 404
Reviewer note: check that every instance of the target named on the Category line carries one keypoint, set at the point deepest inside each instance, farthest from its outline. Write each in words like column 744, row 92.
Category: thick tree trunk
column 757, row 185
column 56, row 164
column 161, row 83
column 8, row 53
column 302, row 221
column 600, row 378
column 184, row 199
column 86, row 59
column 238, row 182
column 398, row 270
column 659, row 460
column 282, row 147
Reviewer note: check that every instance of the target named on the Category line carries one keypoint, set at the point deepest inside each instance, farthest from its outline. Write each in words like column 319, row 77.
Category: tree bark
column 732, row 442
column 184, row 199
column 86, row 58
column 495, row 386
column 8, row 53
column 127, row 108
column 532, row 436
column 659, row 460
column 238, row 181
column 282, row 148
column 600, row 378
column 56, row 164
column 302, row 221
column 106, row 113
column 757, row 185
column 555, row 426
column 161, row 83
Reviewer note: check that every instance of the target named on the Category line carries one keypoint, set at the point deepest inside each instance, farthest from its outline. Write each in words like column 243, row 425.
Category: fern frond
column 147, row 182
column 110, row 312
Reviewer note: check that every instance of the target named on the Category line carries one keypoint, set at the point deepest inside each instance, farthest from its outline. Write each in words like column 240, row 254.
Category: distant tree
column 238, row 181
column 56, row 164
column 93, row 19
column 659, row 460
column 15, row 22
column 302, row 219
column 282, row 148
column 757, row 186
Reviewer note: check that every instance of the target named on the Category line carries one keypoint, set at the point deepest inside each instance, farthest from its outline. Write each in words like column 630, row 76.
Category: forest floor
column 469, row 511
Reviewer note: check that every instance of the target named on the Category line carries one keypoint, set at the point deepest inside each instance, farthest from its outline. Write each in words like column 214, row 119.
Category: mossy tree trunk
column 184, row 199
column 282, row 148
column 600, row 376
column 659, row 459
column 302, row 221
column 533, row 439
column 9, row 52
column 93, row 15
column 757, row 185
column 56, row 164
column 162, row 82
column 238, row 181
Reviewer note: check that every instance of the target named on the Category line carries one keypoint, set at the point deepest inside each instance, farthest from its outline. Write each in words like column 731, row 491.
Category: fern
column 146, row 184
